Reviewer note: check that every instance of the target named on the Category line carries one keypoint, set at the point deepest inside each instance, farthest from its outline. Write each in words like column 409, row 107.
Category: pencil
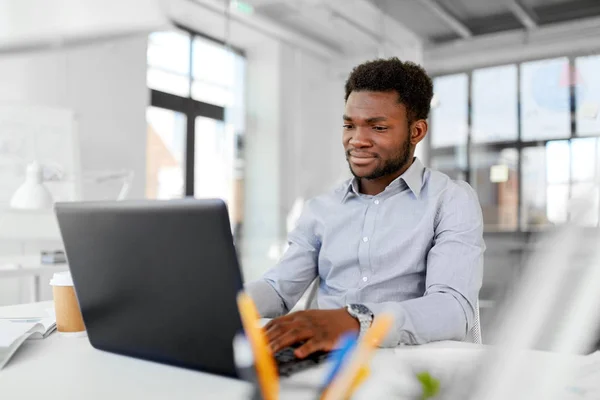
column 342, row 385
column 266, row 369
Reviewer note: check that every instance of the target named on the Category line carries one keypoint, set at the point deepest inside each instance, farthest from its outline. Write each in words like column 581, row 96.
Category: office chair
column 473, row 336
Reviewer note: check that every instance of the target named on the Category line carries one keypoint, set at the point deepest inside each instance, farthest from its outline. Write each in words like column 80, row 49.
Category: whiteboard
column 43, row 134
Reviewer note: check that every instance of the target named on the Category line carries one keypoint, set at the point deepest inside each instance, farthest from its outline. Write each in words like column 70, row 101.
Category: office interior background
column 242, row 100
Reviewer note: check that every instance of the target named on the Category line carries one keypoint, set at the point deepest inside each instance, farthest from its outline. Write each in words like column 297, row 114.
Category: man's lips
column 360, row 158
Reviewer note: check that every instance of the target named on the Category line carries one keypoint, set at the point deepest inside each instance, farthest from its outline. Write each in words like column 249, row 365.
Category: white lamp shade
column 32, row 197
column 32, row 194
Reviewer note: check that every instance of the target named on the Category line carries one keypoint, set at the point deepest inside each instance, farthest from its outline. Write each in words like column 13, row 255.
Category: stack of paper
column 13, row 332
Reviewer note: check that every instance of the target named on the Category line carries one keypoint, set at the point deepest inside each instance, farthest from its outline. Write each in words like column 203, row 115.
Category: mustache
column 354, row 152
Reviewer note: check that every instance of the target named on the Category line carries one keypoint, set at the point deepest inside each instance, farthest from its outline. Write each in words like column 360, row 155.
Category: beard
column 390, row 166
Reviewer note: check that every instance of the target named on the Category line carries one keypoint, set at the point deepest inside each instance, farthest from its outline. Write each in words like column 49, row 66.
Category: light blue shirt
column 414, row 250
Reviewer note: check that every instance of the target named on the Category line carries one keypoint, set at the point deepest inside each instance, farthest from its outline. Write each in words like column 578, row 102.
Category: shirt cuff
column 397, row 334
column 268, row 302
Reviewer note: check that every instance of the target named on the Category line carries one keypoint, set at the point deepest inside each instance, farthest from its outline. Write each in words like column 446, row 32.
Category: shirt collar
column 412, row 177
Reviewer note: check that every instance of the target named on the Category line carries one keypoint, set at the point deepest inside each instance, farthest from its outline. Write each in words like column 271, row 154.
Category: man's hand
column 320, row 329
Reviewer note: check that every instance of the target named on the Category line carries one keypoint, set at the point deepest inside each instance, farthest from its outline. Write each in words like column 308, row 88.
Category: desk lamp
column 32, row 194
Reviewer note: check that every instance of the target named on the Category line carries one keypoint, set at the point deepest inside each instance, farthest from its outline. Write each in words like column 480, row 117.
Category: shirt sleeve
column 454, row 276
column 282, row 286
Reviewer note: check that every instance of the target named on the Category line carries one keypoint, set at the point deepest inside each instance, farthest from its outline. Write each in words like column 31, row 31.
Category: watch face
column 360, row 309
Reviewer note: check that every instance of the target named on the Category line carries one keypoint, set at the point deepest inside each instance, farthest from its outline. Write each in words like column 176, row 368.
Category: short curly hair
column 414, row 86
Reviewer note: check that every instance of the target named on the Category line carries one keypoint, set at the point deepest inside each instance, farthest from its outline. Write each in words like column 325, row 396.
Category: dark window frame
column 190, row 107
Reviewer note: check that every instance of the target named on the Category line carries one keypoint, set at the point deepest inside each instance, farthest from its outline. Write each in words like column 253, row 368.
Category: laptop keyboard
column 289, row 364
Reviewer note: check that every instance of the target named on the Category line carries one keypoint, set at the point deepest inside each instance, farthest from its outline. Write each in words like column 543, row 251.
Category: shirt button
column 365, row 239
column 376, row 202
column 365, row 279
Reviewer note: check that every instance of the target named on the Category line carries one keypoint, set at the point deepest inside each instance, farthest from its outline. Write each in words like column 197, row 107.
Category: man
column 398, row 238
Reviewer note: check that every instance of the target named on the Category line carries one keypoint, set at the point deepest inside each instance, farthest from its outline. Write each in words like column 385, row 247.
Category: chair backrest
column 473, row 336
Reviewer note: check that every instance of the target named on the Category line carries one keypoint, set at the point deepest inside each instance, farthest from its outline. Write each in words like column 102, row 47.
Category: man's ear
column 418, row 131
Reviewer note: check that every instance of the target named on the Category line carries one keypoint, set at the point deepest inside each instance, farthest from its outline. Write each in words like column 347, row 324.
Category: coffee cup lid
column 62, row 279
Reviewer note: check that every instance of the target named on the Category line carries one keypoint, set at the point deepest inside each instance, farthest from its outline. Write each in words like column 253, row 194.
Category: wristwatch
column 362, row 314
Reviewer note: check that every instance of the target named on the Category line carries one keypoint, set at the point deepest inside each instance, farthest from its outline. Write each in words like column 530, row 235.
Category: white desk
column 69, row 368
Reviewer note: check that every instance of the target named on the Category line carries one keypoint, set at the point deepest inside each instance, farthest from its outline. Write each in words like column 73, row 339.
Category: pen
column 266, row 369
column 344, row 347
column 346, row 380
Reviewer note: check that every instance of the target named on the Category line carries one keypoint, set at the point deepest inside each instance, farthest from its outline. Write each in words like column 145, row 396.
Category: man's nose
column 360, row 139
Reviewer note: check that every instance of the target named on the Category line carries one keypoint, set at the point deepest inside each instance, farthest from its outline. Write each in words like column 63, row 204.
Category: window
column 494, row 178
column 165, row 153
column 214, row 73
column 556, row 174
column 454, row 164
column 495, row 104
column 169, row 62
column 587, row 81
column 449, row 115
column 545, row 107
column 196, row 119
column 532, row 149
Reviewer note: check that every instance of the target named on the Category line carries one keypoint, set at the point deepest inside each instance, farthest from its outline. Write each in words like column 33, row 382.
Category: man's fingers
column 276, row 321
column 311, row 346
column 290, row 337
column 285, row 319
column 281, row 328
column 274, row 330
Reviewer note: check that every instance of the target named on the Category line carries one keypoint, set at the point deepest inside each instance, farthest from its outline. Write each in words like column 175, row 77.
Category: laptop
column 158, row 280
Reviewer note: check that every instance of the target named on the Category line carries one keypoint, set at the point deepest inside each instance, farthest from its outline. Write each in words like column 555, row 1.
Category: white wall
column 105, row 84
column 262, row 180
column 312, row 155
column 42, row 23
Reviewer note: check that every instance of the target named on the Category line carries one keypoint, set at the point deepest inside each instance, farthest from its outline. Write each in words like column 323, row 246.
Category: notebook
column 13, row 332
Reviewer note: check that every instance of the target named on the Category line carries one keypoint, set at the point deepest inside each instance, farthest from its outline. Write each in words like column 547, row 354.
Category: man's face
column 376, row 134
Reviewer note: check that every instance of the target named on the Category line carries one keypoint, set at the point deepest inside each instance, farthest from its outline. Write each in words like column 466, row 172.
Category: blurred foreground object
column 554, row 308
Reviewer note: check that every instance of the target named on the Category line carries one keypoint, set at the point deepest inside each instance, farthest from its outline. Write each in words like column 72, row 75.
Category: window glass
column 545, row 108
column 454, row 164
column 494, row 177
column 168, row 82
column 494, row 104
column 165, row 153
column 449, row 111
column 212, row 63
column 558, row 158
column 583, row 159
column 169, row 51
column 587, row 79
column 169, row 62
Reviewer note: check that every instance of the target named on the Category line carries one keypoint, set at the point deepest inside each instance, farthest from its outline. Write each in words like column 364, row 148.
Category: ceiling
column 434, row 21
column 440, row 21
column 356, row 26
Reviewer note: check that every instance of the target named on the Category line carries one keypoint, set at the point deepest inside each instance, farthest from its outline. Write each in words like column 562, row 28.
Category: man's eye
column 380, row 128
column 348, row 126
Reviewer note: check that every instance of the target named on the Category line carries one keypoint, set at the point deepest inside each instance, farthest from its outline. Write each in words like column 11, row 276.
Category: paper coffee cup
column 68, row 314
